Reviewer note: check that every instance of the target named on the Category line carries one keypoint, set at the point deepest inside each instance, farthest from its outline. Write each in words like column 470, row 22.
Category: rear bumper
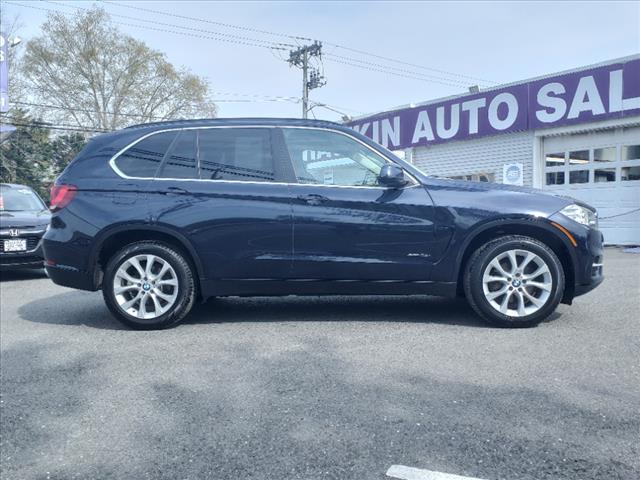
column 65, row 253
column 71, row 277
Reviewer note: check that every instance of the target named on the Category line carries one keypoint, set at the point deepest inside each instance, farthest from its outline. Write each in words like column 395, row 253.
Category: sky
column 451, row 46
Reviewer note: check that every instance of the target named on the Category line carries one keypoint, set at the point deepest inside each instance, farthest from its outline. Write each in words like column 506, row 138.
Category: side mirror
column 392, row 176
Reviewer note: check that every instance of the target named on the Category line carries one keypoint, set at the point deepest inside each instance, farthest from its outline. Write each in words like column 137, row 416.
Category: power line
column 266, row 44
column 260, row 96
column 204, row 20
column 173, row 25
column 306, row 39
column 430, row 78
column 82, row 110
column 139, row 115
column 47, row 126
column 389, row 72
column 415, row 65
column 228, row 40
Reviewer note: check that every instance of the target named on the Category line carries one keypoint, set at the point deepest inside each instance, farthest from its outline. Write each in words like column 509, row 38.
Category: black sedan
column 24, row 218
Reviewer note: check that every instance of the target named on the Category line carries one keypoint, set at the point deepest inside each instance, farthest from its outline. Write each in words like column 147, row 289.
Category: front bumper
column 586, row 288
column 31, row 258
column 586, row 256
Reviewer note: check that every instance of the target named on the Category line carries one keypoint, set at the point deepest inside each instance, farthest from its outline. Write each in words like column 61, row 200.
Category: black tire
column 473, row 280
column 186, row 285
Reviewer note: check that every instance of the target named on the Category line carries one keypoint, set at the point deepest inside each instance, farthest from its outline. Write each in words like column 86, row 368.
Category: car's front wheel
column 514, row 281
column 149, row 285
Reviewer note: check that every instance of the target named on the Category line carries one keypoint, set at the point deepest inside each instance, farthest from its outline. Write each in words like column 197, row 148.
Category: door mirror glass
column 392, row 176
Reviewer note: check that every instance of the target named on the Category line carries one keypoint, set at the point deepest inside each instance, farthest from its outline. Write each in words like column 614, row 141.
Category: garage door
column 602, row 169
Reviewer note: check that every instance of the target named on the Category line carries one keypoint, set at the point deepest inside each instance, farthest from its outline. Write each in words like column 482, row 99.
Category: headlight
column 582, row 215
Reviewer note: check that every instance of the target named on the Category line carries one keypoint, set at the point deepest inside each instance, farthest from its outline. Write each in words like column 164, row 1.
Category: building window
column 555, row 159
column 579, row 176
column 579, row 157
column 630, row 173
column 604, row 175
column 604, row 154
column 555, row 178
column 631, row 152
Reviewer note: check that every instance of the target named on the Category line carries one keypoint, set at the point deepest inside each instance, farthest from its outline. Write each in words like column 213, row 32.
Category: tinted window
column 144, row 158
column 330, row 158
column 181, row 158
column 236, row 154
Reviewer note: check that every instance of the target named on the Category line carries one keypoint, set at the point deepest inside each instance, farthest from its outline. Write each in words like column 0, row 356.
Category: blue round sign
column 513, row 173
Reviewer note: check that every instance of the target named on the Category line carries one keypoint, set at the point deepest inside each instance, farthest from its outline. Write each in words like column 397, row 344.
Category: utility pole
column 311, row 77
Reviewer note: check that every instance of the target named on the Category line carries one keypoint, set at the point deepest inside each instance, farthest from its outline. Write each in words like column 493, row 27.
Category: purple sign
column 611, row 91
column 4, row 99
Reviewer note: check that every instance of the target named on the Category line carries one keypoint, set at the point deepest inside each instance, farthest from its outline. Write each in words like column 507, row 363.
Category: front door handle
column 176, row 191
column 313, row 199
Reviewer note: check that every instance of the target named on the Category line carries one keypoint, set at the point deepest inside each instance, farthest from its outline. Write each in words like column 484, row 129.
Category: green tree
column 32, row 157
column 96, row 76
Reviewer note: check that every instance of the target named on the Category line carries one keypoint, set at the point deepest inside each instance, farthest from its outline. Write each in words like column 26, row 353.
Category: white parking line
column 410, row 473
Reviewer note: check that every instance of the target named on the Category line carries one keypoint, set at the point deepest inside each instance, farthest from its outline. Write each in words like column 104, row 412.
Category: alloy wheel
column 517, row 283
column 145, row 286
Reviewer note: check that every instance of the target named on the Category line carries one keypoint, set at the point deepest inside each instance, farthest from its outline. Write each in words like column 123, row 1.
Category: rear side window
column 144, row 158
column 236, row 154
column 181, row 158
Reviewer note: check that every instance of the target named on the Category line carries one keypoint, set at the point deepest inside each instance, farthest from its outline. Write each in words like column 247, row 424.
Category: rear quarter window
column 144, row 157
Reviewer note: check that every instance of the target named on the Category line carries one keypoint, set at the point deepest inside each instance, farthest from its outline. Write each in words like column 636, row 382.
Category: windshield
column 19, row 200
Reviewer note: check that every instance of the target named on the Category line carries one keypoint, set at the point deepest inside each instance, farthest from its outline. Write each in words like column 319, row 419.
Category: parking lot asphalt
column 319, row 388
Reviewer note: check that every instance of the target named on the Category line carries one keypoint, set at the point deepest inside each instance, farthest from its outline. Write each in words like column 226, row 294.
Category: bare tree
column 11, row 26
column 99, row 77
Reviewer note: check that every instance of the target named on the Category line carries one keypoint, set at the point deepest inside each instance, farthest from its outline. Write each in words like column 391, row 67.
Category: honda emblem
column 14, row 232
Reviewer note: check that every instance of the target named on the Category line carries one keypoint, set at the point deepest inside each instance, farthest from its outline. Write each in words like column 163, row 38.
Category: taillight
column 61, row 195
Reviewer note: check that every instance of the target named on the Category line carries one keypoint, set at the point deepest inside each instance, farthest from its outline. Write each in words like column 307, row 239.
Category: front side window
column 330, row 158
column 242, row 154
column 143, row 158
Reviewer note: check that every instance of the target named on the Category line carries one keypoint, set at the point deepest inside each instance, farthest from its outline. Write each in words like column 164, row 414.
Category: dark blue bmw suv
column 161, row 215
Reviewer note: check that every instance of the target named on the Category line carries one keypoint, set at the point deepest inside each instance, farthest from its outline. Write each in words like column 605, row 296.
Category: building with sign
column 574, row 133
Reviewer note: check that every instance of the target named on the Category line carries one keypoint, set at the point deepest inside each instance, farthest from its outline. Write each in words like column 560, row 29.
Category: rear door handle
column 313, row 199
column 176, row 191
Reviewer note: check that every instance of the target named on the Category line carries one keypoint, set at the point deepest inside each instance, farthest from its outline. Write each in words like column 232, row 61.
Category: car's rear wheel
column 514, row 281
column 149, row 285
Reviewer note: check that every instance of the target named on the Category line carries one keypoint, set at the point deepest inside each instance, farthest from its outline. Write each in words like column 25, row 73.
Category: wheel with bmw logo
column 149, row 285
column 514, row 281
